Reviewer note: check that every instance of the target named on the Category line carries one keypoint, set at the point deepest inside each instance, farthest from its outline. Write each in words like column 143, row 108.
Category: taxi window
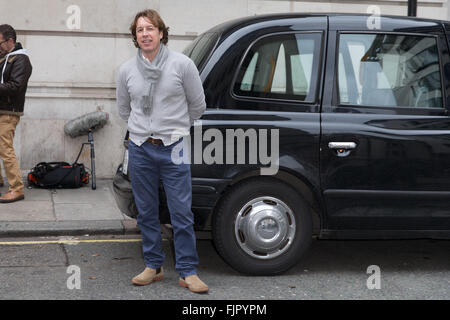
column 201, row 47
column 284, row 66
column 389, row 70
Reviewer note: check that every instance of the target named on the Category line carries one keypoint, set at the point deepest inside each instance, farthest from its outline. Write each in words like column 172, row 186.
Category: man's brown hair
column 157, row 21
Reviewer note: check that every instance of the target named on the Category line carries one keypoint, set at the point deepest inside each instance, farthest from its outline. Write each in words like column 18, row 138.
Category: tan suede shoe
column 148, row 276
column 12, row 196
column 194, row 284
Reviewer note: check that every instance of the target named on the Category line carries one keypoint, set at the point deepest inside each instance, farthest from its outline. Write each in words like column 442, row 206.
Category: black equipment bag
column 58, row 175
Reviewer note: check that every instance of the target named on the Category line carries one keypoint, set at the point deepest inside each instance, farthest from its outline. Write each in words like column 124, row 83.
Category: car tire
column 262, row 227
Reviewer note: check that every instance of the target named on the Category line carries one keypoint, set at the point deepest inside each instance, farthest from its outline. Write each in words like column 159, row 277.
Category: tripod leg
column 94, row 185
column 91, row 142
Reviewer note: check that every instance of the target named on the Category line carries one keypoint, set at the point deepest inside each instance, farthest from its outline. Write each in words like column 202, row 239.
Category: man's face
column 148, row 36
column 5, row 45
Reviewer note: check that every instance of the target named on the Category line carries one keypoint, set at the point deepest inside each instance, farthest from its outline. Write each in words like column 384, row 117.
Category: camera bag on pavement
column 58, row 175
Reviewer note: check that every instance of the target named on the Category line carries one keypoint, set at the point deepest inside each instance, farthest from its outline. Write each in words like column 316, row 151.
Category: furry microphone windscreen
column 90, row 121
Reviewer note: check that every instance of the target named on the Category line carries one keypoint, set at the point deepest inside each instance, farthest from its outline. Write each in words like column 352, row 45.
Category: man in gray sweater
column 160, row 94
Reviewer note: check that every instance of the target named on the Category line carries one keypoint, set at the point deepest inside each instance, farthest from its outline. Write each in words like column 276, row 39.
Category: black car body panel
column 398, row 176
column 395, row 183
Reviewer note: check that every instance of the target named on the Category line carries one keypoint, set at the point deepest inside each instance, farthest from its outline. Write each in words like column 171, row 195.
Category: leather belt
column 155, row 142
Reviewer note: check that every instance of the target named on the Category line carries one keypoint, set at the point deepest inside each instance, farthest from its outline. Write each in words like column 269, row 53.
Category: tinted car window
column 281, row 67
column 389, row 70
column 200, row 48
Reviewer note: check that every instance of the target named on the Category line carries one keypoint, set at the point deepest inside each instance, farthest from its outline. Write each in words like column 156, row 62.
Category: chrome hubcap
column 265, row 227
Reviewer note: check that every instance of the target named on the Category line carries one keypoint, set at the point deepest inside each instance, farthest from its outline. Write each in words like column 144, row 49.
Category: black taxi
column 317, row 124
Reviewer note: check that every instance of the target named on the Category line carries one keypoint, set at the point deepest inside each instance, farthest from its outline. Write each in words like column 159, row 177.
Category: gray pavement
column 58, row 212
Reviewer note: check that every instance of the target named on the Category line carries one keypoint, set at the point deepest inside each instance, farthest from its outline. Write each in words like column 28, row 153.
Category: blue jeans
column 148, row 165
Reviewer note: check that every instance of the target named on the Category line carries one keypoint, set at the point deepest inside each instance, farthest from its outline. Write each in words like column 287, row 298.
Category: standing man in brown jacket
column 15, row 70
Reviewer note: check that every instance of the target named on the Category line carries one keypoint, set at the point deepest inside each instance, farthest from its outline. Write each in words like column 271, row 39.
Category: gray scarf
column 151, row 71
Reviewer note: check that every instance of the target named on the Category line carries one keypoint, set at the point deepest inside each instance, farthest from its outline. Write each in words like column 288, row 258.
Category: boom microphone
column 84, row 124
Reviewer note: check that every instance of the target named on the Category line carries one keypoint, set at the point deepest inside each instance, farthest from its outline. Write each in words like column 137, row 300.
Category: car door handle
column 342, row 149
column 342, row 145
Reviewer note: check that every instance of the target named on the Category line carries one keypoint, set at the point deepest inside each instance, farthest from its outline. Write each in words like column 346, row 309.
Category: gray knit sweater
column 178, row 100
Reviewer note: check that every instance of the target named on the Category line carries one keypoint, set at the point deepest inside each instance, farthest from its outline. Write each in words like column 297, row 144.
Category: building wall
column 76, row 54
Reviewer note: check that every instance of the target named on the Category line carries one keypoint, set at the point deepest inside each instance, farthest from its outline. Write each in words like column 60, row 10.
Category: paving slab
column 84, row 195
column 27, row 211
column 87, row 211
column 37, row 194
